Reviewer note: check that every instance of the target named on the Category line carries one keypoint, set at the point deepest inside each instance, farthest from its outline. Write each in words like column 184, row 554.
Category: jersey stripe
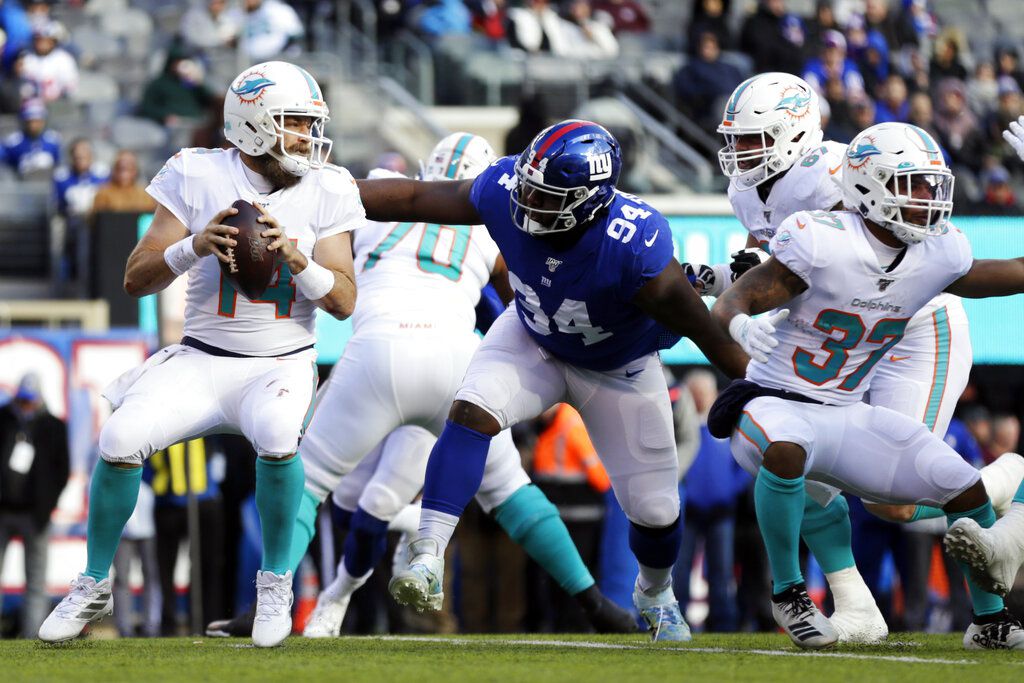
column 554, row 136
column 753, row 432
column 312, row 402
column 460, row 148
column 940, row 321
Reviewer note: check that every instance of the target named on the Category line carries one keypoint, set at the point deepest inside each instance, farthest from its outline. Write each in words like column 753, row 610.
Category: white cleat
column 1002, row 477
column 325, row 622
column 992, row 554
column 1000, row 631
column 421, row 584
column 273, row 620
column 660, row 611
column 805, row 625
column 87, row 602
column 857, row 618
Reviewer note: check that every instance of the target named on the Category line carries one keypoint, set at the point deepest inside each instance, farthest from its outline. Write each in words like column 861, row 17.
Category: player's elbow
column 340, row 309
column 132, row 286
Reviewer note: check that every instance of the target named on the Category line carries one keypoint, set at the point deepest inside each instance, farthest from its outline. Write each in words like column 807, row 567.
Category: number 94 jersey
column 853, row 311
column 577, row 303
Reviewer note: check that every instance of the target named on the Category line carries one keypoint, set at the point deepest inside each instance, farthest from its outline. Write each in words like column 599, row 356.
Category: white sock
column 407, row 519
column 344, row 584
column 656, row 579
column 848, row 588
column 438, row 526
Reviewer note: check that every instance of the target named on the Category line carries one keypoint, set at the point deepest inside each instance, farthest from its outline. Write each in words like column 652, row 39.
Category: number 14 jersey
column 577, row 303
column 853, row 311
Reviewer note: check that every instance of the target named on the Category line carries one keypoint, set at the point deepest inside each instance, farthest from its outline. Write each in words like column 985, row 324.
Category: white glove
column 757, row 335
column 1015, row 136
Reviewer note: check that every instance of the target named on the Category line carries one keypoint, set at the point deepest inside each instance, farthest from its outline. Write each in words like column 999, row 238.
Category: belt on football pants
column 224, row 353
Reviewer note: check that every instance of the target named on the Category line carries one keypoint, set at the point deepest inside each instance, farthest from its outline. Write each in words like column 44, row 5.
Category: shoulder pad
column 336, row 179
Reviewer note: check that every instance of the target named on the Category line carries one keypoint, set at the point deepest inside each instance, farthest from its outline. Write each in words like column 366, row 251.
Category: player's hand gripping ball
column 249, row 266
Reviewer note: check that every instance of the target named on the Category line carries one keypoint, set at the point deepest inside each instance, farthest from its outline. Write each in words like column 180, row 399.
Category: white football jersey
column 807, row 186
column 195, row 184
column 852, row 311
column 420, row 276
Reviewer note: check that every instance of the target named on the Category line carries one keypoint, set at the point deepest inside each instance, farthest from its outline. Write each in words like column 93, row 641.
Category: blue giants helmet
column 566, row 175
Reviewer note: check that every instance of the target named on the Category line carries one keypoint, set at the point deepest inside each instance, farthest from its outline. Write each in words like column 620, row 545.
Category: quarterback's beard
column 271, row 169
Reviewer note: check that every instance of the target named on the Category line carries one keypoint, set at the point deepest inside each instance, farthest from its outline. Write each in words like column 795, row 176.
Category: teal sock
column 1019, row 496
column 984, row 603
column 532, row 521
column 780, row 508
column 926, row 512
column 279, row 486
column 303, row 530
column 113, row 492
column 826, row 531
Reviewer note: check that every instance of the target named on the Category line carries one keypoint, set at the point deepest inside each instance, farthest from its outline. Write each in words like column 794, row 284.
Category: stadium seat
column 95, row 87
column 130, row 132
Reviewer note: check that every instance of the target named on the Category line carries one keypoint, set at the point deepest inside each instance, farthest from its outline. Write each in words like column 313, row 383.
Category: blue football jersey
column 577, row 303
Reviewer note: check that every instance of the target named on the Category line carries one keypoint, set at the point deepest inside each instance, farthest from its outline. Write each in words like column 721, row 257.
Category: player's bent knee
column 381, row 501
column 123, row 439
column 654, row 512
column 474, row 417
column 272, row 441
column 785, row 459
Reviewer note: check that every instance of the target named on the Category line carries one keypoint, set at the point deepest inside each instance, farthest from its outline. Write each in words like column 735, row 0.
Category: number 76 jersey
column 577, row 303
column 853, row 311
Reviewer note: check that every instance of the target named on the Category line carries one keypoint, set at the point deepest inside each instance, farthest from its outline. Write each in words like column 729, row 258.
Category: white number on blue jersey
column 570, row 318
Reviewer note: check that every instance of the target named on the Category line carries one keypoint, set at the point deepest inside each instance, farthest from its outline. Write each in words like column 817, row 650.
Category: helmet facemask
column 541, row 209
column 911, row 218
column 319, row 144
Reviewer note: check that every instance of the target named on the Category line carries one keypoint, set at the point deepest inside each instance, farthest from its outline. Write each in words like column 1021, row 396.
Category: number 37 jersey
column 577, row 303
column 195, row 185
column 853, row 311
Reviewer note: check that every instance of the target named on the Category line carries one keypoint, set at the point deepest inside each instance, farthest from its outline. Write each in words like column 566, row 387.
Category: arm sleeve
column 169, row 188
column 793, row 245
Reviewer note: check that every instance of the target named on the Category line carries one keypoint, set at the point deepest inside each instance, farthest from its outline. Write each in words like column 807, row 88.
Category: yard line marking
column 703, row 650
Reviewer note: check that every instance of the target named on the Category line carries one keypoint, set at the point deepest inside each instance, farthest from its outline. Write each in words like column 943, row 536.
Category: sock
column 455, row 469
column 532, row 521
column 826, row 530
column 780, row 506
column 366, row 543
column 984, row 603
column 113, row 493
column 1019, row 496
column 303, row 530
column 438, row 526
column 340, row 517
column 656, row 551
column 279, row 493
column 926, row 512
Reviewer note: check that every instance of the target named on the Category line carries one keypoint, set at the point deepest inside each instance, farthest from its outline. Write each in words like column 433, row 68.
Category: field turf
column 906, row 658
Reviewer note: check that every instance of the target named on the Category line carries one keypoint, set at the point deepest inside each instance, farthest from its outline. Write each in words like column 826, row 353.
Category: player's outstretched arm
column 990, row 277
column 499, row 280
column 167, row 242
column 670, row 299
column 445, row 202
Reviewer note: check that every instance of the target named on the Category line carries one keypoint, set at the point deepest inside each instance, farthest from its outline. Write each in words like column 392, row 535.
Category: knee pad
column 124, row 438
column 523, row 509
column 381, row 501
column 271, row 440
column 654, row 512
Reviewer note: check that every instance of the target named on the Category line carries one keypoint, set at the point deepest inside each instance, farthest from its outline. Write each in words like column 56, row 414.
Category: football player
column 798, row 416
column 243, row 366
column 597, row 294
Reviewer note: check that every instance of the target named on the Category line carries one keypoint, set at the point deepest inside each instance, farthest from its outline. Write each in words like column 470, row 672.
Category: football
column 251, row 266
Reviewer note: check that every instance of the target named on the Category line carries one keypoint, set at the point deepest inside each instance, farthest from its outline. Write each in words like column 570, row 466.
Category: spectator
column 34, row 465
column 566, row 468
column 211, row 27
column 893, row 104
column 51, row 67
column 712, row 486
column 586, row 37
column 75, row 185
column 628, row 16
column 178, row 92
column 16, row 28
column 922, row 113
column 17, row 88
column 1008, row 63
column 392, row 161
column 871, row 55
column 271, row 28
column 436, row 18
column 1009, row 107
column 533, row 118
column 123, row 192
column 914, row 69
column 773, row 38
column 834, row 64
column 824, row 19
column 862, row 112
column 490, row 18
column 946, row 60
column 704, row 80
column 877, row 17
column 537, row 28
column 917, row 23
column 34, row 150
column 983, row 89
column 1005, row 434
column 959, row 131
column 999, row 198
column 40, row 13
column 979, row 423
column 709, row 16
column 138, row 541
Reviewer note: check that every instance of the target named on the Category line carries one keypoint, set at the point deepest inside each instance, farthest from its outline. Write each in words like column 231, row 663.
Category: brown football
column 251, row 266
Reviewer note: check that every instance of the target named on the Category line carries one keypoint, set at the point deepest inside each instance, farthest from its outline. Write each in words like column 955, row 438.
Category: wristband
column 315, row 282
column 181, row 255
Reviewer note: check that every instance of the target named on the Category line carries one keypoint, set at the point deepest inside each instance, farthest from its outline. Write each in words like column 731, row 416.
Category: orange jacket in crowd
column 564, row 453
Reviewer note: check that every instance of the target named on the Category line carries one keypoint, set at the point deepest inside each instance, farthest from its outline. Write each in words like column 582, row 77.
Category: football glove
column 745, row 259
column 757, row 335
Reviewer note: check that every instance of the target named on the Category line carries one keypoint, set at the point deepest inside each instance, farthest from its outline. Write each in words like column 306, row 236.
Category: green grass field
column 452, row 659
